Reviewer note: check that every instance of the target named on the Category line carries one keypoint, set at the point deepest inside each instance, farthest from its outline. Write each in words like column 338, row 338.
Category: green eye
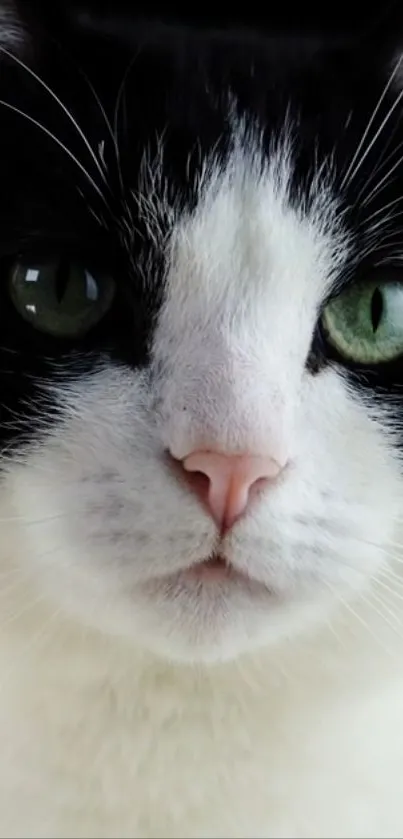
column 365, row 323
column 60, row 297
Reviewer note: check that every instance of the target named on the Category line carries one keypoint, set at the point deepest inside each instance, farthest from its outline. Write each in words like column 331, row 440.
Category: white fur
column 135, row 703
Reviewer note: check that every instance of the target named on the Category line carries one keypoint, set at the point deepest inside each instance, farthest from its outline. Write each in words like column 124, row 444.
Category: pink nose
column 226, row 484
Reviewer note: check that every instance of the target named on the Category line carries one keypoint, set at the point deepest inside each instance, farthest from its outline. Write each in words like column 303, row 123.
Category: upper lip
column 214, row 557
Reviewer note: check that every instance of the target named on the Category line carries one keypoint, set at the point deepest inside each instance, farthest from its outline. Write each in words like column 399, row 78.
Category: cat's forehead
column 247, row 226
column 250, row 264
column 169, row 93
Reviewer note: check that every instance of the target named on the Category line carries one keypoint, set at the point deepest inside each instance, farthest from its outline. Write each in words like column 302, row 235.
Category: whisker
column 116, row 113
column 384, row 604
column 351, row 171
column 382, row 163
column 379, row 613
column 383, row 182
column 335, row 634
column 354, row 614
column 60, row 144
column 384, row 211
column 72, row 59
column 385, row 547
column 61, row 105
column 388, row 572
column 99, row 103
column 32, row 522
column 109, row 128
column 389, row 589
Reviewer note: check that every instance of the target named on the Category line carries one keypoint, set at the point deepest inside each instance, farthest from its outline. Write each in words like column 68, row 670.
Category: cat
column 201, row 485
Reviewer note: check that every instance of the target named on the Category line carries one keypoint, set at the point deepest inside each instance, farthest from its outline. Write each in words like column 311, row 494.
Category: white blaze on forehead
column 248, row 271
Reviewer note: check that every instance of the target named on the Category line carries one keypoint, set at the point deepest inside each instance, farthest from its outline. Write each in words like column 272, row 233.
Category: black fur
column 158, row 77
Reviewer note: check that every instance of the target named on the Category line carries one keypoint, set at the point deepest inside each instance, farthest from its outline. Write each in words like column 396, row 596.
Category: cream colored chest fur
column 96, row 741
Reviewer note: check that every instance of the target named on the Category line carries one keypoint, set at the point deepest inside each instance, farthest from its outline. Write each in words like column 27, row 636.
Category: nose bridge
column 228, row 405
column 220, row 384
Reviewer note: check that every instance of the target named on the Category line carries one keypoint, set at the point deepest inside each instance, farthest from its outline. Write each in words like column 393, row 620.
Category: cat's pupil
column 63, row 271
column 376, row 309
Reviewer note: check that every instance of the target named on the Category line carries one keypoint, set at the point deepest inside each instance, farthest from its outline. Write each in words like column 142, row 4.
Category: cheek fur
column 100, row 521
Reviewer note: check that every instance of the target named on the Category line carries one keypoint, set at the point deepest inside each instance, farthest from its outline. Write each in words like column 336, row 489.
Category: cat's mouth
column 216, row 568
column 216, row 574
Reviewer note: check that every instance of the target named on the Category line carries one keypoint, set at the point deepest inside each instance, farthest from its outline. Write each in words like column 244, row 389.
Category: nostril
column 198, row 482
column 226, row 484
column 258, row 487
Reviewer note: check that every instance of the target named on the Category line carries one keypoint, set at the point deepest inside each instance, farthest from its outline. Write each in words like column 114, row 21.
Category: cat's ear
column 13, row 31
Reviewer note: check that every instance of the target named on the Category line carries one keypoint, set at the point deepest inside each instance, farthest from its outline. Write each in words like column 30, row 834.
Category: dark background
column 342, row 16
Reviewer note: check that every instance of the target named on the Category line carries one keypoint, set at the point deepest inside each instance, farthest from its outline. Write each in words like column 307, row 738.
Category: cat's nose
column 226, row 484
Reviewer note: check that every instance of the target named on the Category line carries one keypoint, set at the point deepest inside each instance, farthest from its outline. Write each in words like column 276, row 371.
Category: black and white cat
column 201, row 370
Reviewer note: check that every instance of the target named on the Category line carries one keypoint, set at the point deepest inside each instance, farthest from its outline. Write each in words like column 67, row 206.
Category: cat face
column 205, row 257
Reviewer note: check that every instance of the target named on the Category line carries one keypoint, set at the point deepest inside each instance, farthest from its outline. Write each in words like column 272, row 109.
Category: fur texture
column 231, row 184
